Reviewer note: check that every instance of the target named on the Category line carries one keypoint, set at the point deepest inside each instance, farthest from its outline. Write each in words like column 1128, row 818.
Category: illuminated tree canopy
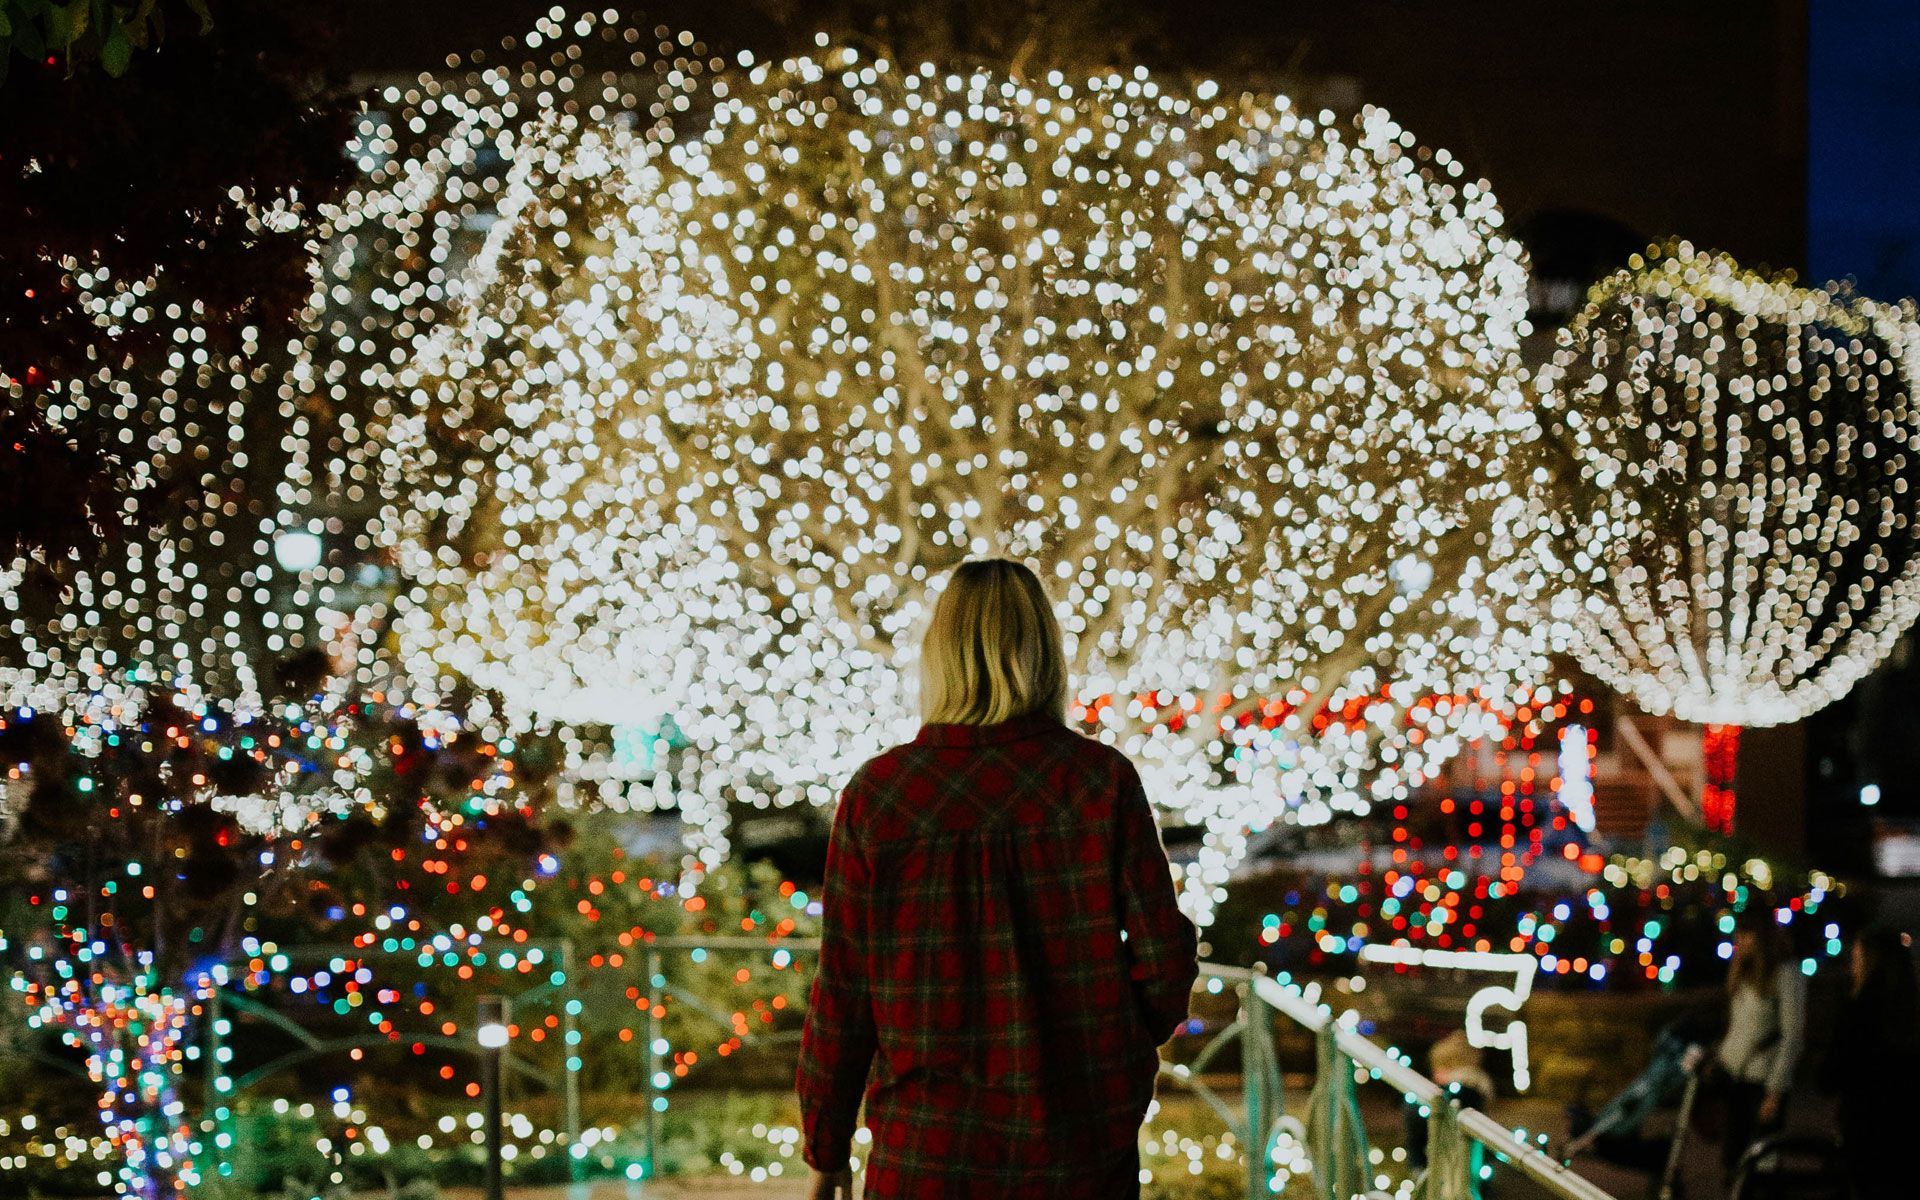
column 711, row 413
column 1732, row 465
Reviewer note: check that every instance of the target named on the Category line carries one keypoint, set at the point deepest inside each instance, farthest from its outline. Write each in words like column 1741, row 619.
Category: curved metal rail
column 1264, row 992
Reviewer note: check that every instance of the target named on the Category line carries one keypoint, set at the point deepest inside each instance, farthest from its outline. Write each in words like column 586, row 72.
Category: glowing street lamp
column 492, row 1035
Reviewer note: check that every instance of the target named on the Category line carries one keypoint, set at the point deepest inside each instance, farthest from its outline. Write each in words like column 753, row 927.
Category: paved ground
column 698, row 1189
column 1700, row 1177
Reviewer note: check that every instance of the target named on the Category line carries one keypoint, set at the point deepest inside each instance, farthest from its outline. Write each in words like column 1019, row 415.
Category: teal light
column 636, row 750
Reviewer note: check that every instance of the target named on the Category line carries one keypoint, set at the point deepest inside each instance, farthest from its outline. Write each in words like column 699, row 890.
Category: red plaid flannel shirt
column 1002, row 957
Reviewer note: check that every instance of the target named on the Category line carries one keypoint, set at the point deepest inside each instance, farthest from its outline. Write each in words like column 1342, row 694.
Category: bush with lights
column 148, row 849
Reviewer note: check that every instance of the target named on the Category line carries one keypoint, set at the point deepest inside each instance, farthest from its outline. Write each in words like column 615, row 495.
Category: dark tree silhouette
column 205, row 161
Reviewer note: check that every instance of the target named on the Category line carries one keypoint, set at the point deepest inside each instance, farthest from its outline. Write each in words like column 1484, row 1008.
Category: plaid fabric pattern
column 1002, row 955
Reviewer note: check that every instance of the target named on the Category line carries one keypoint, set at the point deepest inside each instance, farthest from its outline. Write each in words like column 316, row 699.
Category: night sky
column 1863, row 160
column 1664, row 119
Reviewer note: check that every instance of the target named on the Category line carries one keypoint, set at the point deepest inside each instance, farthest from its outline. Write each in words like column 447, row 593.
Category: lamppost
column 492, row 1036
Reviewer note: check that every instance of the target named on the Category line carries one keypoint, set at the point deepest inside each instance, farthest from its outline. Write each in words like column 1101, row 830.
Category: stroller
column 1784, row 1166
column 1671, row 1076
column 1791, row 1166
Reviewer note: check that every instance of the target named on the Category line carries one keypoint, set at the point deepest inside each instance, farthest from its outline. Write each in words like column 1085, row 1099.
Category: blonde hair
column 993, row 650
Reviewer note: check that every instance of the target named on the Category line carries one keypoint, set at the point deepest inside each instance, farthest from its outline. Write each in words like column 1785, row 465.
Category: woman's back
column 1000, row 907
column 1002, row 953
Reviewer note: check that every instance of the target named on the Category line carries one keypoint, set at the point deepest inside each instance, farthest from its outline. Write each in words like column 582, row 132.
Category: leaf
column 143, row 25
column 28, row 39
column 116, row 52
column 200, row 9
column 6, row 25
column 66, row 23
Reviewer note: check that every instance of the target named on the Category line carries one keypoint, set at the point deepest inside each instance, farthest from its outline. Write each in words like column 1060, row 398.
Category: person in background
column 1766, row 1029
column 1875, row 1057
column 1459, row 1067
column 1001, row 954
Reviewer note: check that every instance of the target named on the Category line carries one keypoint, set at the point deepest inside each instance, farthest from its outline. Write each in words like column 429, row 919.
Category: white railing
column 1261, row 995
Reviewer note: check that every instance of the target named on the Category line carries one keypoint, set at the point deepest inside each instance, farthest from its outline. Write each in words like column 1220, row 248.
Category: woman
column 1766, row 1028
column 1002, row 954
column 1876, row 1054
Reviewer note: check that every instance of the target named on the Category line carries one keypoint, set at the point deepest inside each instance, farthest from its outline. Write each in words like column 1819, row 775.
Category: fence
column 1336, row 1140
column 225, row 1004
column 659, row 988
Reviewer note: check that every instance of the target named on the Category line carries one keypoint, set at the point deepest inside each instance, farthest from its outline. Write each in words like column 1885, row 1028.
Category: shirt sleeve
column 1790, row 993
column 1160, row 945
column 838, row 1043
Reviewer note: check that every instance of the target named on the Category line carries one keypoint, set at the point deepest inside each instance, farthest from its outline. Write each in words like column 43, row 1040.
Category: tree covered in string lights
column 183, row 701
column 144, row 625
column 1731, row 465
column 149, row 850
column 716, row 404
column 173, row 579
column 366, row 873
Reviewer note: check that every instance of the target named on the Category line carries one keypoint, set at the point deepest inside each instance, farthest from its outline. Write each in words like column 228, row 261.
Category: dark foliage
column 166, row 169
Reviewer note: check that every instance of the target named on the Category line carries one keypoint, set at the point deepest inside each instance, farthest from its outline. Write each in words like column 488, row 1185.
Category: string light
column 1576, row 776
column 1731, row 465
column 417, row 914
column 1520, row 967
column 700, row 426
column 182, row 605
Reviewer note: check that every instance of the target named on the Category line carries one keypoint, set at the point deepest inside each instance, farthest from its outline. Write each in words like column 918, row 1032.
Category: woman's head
column 1758, row 950
column 992, row 651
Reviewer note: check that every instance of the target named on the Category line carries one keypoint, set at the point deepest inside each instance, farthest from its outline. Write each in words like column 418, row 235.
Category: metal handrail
column 1295, row 1006
column 658, row 989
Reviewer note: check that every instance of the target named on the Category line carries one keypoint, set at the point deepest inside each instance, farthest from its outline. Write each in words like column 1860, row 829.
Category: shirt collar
column 1030, row 725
